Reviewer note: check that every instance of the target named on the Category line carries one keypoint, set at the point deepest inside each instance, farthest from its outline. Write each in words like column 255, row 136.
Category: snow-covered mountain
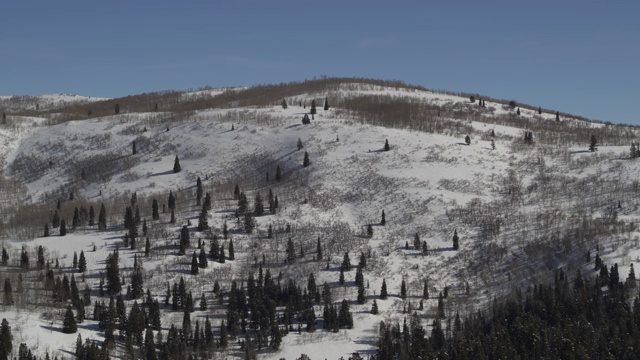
column 521, row 208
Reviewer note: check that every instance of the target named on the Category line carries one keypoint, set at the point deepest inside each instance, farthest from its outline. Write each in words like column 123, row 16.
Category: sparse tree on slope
column 593, row 146
column 176, row 165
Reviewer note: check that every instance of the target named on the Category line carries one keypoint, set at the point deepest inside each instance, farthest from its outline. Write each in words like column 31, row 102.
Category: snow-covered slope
column 514, row 207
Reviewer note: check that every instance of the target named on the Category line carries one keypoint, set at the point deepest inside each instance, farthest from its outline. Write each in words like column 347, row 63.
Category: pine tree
column 8, row 292
column 236, row 192
column 361, row 298
column 300, row 146
column 113, row 273
column 369, row 231
column 176, row 165
column 455, row 240
column 258, row 206
column 341, row 278
column 249, row 223
column 290, row 252
column 203, row 263
column 403, row 290
column 557, row 116
column 306, row 162
column 633, row 152
column 467, row 140
column 194, row 264
column 345, row 319
column 318, row 250
column 199, row 191
column 306, row 120
column 383, row 221
column 63, row 227
column 69, row 324
column 221, row 256
column 134, row 150
column 374, row 307
column 278, row 173
column 243, row 204
column 518, row 112
column 416, row 242
column 232, row 255
column 383, row 290
column 284, row 104
column 539, row 110
column 326, row 104
column 386, row 145
column 46, row 230
column 425, row 290
column 346, row 262
column 82, row 262
column 203, row 219
column 224, row 337
column 102, row 218
column 593, row 146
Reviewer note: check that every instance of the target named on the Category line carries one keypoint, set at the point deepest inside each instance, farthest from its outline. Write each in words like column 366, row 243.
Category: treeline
column 574, row 318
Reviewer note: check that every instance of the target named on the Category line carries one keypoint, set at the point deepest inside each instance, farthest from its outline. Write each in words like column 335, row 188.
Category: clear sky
column 580, row 57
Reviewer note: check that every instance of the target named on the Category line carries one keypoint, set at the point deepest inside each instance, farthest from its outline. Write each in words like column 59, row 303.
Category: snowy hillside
column 521, row 209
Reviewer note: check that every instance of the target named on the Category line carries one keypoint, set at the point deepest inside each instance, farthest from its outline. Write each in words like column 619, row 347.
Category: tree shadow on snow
column 292, row 126
column 168, row 172
column 579, row 152
column 464, row 144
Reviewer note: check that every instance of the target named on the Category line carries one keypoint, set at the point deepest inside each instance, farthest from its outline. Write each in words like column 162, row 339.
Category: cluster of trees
column 573, row 318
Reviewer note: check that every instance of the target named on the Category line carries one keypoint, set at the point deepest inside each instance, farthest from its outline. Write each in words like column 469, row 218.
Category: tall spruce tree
column 102, row 218
column 176, row 165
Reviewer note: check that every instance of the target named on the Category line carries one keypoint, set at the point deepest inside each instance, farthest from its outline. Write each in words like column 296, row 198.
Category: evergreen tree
column 518, row 112
column 236, row 192
column 416, row 242
column 117, row 108
column 199, row 191
column 455, row 240
column 557, row 116
column 102, row 218
column 147, row 248
column 300, row 146
column 224, row 337
column 306, row 162
column 249, row 223
column 633, row 152
column 467, row 140
column 133, row 146
column 113, row 273
column 194, row 264
column 593, row 146
column 383, row 221
column 403, row 290
column 284, row 104
column 318, row 250
column 176, row 165
column 326, row 104
column 243, row 204
column 345, row 319
column 386, row 145
column 369, row 231
column 214, row 249
column 346, row 262
column 8, row 292
column 374, row 307
column 539, row 110
column 232, row 255
column 69, row 324
column 383, row 290
column 203, row 219
column 221, row 256
column 154, row 210
column 306, row 120
column 278, row 173
column 82, row 262
column 290, row 252
column 259, row 207
column 6, row 340
column 203, row 263
column 46, row 230
column 425, row 290
column 361, row 298
column 63, row 227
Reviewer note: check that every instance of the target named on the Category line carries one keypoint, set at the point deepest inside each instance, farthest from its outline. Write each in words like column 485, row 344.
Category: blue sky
column 580, row 57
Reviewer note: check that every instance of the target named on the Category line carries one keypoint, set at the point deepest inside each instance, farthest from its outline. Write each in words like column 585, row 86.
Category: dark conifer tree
column 231, row 252
column 8, row 292
column 374, row 307
column 133, row 146
column 346, row 262
column 259, row 207
column 456, row 245
column 236, row 192
column 194, row 264
column 386, row 145
column 403, row 290
column 383, row 290
column 383, row 220
column 369, row 230
column 63, row 227
column 69, row 324
column 300, row 146
column 102, row 218
column 593, row 145
column 199, row 191
column 361, row 298
column 306, row 161
column 82, row 262
column 318, row 250
column 290, row 252
column 467, row 140
column 176, row 165
column 147, row 248
column 203, row 263
column 425, row 290
column 203, row 219
column 117, row 108
column 114, row 284
column 46, row 230
column 249, row 223
column 278, row 173
column 326, row 103
column 221, row 257
column 284, row 104
column 416, row 242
